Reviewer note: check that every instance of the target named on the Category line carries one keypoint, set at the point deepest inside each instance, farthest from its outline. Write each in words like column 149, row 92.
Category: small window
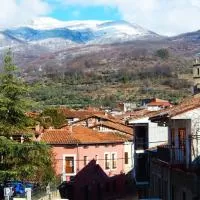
column 107, row 161
column 198, row 71
column 85, row 159
column 126, row 157
column 69, row 165
column 114, row 161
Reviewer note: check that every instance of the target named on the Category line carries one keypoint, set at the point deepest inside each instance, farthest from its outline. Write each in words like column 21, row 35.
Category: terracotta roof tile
column 58, row 136
column 81, row 114
column 187, row 105
column 165, row 104
column 141, row 114
column 80, row 135
column 115, row 126
column 101, row 116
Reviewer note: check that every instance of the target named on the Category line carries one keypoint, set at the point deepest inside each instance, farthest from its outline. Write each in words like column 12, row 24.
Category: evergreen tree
column 25, row 162
column 28, row 161
column 13, row 99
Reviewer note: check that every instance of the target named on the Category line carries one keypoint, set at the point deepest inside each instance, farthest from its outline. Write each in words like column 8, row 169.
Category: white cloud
column 167, row 17
column 15, row 12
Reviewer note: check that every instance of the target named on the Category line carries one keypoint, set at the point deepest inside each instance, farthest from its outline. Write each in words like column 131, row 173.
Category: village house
column 95, row 119
column 76, row 115
column 147, row 135
column 175, row 167
column 75, row 146
column 157, row 104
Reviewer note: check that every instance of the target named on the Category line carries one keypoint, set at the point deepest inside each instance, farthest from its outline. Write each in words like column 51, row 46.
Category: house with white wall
column 179, row 158
column 147, row 135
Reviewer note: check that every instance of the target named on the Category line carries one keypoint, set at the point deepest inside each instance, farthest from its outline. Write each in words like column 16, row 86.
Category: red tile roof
column 80, row 135
column 81, row 114
column 104, row 116
column 159, row 102
column 115, row 126
column 187, row 105
column 142, row 113
column 165, row 104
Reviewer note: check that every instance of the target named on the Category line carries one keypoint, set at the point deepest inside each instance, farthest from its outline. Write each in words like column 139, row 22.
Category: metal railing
column 171, row 154
column 140, row 144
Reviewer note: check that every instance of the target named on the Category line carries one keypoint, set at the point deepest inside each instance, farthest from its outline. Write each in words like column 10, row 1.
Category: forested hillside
column 112, row 73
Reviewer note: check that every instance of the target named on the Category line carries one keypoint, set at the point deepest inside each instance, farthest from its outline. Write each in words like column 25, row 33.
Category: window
column 85, row 159
column 182, row 141
column 69, row 165
column 107, row 161
column 114, row 160
column 126, row 157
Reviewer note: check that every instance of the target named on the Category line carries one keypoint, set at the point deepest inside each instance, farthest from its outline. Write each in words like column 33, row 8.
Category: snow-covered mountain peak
column 45, row 23
column 55, row 34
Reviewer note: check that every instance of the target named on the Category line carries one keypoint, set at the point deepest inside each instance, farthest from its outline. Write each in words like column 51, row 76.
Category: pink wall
column 91, row 152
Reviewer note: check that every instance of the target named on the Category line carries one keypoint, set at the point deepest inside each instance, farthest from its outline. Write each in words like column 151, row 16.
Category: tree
column 52, row 117
column 13, row 99
column 30, row 161
column 162, row 53
column 25, row 162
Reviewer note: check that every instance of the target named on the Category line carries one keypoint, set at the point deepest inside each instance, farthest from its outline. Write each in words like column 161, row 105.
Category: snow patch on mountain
column 54, row 44
column 56, row 35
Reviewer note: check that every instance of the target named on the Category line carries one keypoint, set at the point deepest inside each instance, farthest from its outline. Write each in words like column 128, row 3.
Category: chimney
column 70, row 129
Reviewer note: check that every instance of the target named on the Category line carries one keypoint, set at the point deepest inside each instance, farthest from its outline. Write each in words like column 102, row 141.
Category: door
column 182, row 142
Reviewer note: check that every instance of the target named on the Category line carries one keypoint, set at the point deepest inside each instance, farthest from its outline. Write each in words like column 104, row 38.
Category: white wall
column 177, row 124
column 157, row 134
column 192, row 128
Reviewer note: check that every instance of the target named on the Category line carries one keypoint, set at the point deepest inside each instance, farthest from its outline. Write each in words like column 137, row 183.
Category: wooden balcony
column 171, row 155
column 141, row 144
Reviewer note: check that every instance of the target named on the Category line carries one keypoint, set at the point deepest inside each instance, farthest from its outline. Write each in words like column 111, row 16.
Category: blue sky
column 166, row 17
column 85, row 13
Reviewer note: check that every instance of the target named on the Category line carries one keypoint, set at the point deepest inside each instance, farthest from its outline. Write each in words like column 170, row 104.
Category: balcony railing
column 141, row 144
column 171, row 154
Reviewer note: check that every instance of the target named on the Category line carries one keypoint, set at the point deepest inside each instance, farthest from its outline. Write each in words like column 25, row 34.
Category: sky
column 166, row 17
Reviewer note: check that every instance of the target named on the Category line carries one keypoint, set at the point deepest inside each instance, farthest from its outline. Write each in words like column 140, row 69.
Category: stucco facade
column 97, row 152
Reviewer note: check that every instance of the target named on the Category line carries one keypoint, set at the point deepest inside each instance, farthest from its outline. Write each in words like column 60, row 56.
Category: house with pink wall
column 75, row 146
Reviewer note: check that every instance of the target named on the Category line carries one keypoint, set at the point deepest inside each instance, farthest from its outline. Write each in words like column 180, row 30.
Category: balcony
column 171, row 155
column 141, row 144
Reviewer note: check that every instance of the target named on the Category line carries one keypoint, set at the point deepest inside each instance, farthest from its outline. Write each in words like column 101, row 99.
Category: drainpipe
column 77, row 152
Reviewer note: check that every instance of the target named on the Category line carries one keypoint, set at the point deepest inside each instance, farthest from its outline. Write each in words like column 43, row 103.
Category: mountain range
column 54, row 34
